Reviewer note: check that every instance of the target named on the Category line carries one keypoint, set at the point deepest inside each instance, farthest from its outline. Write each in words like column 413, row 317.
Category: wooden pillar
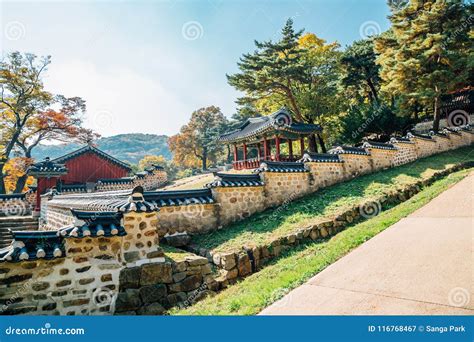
column 259, row 153
column 302, row 145
column 277, row 146
column 290, row 148
column 39, row 189
column 265, row 148
column 245, row 155
column 235, row 153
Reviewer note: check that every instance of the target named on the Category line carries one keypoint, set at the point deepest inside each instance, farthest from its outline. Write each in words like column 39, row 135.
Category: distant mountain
column 126, row 147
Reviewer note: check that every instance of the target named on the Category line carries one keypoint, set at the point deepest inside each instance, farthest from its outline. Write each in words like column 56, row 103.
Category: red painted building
column 86, row 165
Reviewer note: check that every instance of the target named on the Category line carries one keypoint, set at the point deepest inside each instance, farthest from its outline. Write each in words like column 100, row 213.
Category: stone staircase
column 20, row 223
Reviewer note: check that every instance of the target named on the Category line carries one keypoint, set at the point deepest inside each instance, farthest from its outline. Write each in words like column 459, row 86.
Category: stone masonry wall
column 152, row 288
column 284, row 186
column 325, row 174
column 193, row 219
column 425, row 148
column 406, row 153
column 382, row 159
column 356, row 164
column 237, row 203
column 86, row 280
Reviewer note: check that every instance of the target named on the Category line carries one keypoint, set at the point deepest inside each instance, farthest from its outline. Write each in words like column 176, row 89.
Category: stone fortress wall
column 103, row 257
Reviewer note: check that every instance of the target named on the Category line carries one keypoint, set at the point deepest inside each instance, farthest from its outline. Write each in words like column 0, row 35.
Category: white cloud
column 119, row 100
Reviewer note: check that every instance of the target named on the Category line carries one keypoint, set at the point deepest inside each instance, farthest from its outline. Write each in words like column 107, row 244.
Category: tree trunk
column 321, row 143
column 229, row 157
column 3, row 190
column 312, row 143
column 436, row 117
column 20, row 184
column 204, row 160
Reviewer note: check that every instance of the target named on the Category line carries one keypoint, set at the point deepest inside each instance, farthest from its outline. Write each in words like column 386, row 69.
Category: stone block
column 152, row 293
column 129, row 277
column 128, row 300
column 155, row 273
column 195, row 260
column 228, row 261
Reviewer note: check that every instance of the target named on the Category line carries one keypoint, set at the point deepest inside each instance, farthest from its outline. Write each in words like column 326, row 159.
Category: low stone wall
column 356, row 165
column 281, row 186
column 152, row 288
column 425, row 147
column 15, row 205
column 192, row 218
column 234, row 265
column 382, row 159
column 237, row 203
column 325, row 173
column 406, row 152
column 84, row 278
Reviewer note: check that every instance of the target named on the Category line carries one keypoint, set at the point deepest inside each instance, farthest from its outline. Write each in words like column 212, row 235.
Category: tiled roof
column 278, row 121
column 120, row 200
column 467, row 128
column 320, row 158
column 33, row 245
column 235, row 180
column 90, row 148
column 179, row 197
column 420, row 136
column 72, row 188
column 378, row 145
column 154, row 167
column 349, row 150
column 94, row 224
column 403, row 140
column 270, row 166
column 454, row 130
column 12, row 197
column 123, row 180
column 47, row 167
column 439, row 134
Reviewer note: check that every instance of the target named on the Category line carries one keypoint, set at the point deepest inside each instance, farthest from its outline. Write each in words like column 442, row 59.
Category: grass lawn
column 294, row 267
column 326, row 203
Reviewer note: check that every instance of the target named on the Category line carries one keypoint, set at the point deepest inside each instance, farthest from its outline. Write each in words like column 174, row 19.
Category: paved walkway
column 422, row 265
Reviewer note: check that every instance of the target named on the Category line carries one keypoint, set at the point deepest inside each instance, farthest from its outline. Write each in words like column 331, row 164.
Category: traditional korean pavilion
column 260, row 139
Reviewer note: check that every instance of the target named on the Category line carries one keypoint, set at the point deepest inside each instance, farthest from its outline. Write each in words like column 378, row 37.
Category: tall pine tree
column 427, row 51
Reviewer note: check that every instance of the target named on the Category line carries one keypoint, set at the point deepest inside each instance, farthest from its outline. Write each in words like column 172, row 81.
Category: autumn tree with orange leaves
column 197, row 143
column 30, row 115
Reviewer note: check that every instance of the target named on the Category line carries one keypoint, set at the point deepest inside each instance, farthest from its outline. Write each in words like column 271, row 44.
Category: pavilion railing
column 253, row 163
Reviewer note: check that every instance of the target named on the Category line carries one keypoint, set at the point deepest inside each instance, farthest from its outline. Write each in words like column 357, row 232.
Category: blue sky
column 144, row 66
